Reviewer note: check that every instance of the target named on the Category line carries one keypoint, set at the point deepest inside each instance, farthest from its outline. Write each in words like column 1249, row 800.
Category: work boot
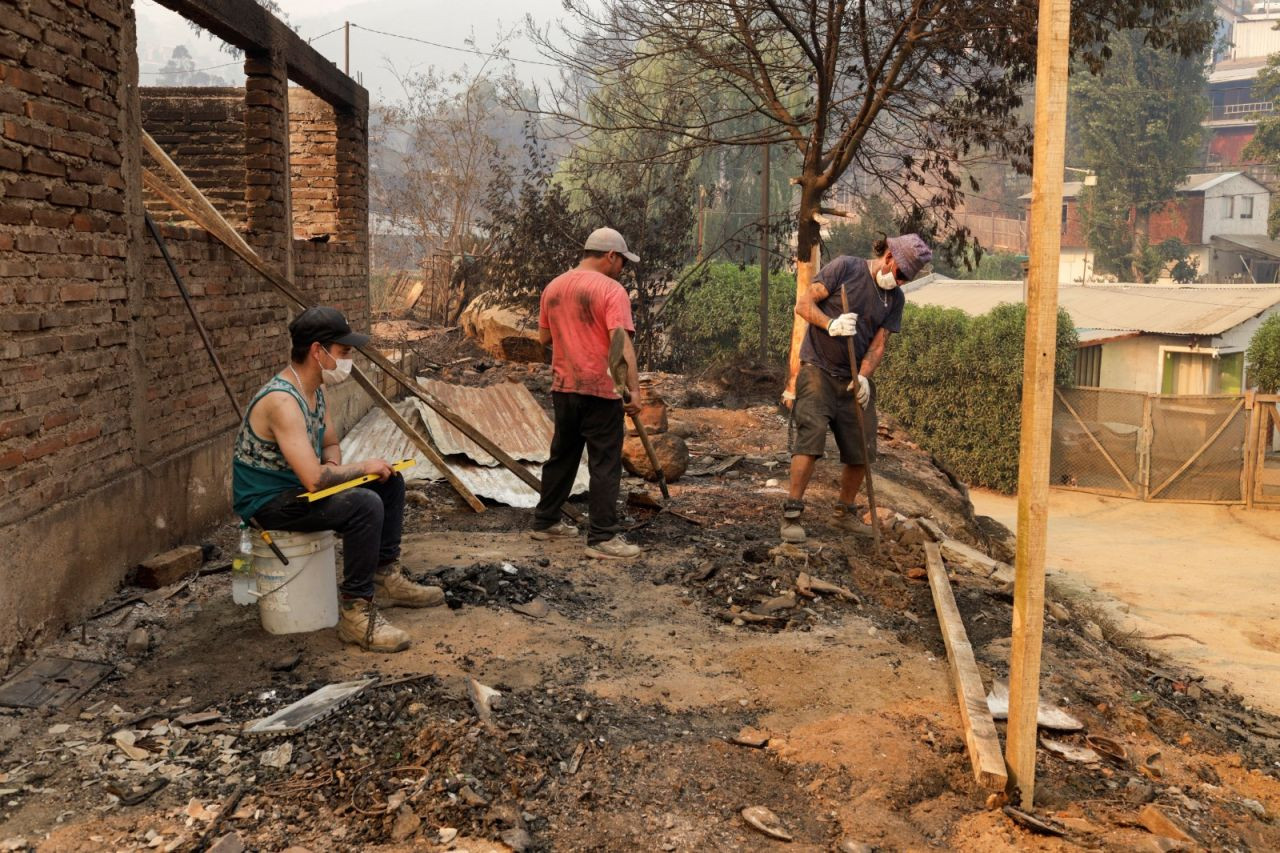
column 360, row 622
column 559, row 530
column 848, row 518
column 393, row 589
column 616, row 548
column 791, row 530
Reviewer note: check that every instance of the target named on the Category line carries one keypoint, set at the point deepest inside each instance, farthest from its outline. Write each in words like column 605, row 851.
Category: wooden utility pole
column 764, row 257
column 1039, row 353
column 346, row 48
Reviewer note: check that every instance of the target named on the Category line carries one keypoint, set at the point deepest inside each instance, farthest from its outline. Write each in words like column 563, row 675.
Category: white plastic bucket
column 302, row 596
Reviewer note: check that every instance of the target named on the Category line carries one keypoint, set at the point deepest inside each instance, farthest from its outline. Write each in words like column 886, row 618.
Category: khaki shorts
column 824, row 402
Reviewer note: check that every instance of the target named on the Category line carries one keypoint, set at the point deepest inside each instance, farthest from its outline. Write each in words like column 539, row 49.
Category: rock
column 406, row 823
column 535, row 609
column 285, row 663
column 851, row 846
column 15, row 842
column 748, row 736
column 911, row 533
column 446, row 835
column 502, row 332
column 138, row 642
column 169, row 567
column 771, row 483
column 277, row 757
column 673, row 456
column 229, row 843
column 1254, row 806
column 763, row 820
column 1158, row 823
column 1093, row 630
column 471, row 798
column 1059, row 612
column 517, row 839
column 916, row 574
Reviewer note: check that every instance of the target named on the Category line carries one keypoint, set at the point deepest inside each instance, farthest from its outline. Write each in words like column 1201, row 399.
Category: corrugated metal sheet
column 1155, row 308
column 376, row 436
column 1092, row 337
column 506, row 413
column 1254, row 243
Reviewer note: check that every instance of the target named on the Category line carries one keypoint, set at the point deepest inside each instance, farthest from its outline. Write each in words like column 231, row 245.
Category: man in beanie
column 580, row 312
column 822, row 394
column 287, row 446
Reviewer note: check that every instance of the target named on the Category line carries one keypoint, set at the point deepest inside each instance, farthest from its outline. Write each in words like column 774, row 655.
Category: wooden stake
column 979, row 727
column 1039, row 353
column 193, row 203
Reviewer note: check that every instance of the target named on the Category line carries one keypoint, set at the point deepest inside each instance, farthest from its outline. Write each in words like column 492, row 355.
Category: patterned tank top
column 259, row 471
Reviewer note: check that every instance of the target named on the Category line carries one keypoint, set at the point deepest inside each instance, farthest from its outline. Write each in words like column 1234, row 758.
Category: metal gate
column 1262, row 469
column 1155, row 447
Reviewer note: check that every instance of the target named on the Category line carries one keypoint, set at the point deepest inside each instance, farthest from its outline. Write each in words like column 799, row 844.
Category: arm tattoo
column 331, row 475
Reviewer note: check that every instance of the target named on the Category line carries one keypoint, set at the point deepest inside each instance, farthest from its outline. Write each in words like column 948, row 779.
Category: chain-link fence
column 1150, row 446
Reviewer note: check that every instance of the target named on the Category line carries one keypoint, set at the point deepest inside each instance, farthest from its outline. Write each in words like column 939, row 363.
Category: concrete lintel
column 253, row 29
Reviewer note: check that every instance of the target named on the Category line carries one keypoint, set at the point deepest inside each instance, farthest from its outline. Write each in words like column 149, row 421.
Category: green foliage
column 991, row 266
column 716, row 316
column 1262, row 359
column 955, row 383
column 856, row 238
column 1137, row 125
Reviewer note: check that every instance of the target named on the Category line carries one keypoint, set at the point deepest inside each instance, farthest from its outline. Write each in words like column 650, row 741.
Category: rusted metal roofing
column 376, row 436
column 1164, row 309
column 506, row 413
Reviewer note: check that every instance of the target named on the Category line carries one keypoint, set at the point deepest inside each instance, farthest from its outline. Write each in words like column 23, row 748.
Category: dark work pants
column 596, row 424
column 369, row 518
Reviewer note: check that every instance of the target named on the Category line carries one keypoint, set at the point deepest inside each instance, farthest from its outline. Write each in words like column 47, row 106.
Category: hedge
column 716, row 316
column 955, row 384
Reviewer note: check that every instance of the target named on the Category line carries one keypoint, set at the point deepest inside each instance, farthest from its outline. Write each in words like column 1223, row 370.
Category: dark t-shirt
column 876, row 309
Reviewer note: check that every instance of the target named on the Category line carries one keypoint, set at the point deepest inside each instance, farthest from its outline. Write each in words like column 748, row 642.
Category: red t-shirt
column 581, row 308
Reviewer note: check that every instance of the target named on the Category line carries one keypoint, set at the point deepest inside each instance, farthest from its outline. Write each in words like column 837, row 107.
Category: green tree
column 1265, row 145
column 714, row 316
column 1262, row 358
column 1137, row 122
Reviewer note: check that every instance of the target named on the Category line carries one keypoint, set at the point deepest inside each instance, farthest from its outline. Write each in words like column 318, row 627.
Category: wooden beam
column 1039, row 357
column 195, row 205
column 979, row 727
column 250, row 27
column 419, row 440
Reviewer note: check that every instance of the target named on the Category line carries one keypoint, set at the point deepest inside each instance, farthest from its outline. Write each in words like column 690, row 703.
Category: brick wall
column 114, row 432
column 313, row 165
column 203, row 131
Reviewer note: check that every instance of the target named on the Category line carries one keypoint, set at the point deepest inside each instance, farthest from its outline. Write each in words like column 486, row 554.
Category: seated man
column 287, row 446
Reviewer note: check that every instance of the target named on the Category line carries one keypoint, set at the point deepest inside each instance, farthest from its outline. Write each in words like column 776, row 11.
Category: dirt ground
column 620, row 707
column 1204, row 574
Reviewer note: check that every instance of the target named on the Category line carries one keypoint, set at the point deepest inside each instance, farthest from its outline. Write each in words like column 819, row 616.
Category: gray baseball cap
column 608, row 240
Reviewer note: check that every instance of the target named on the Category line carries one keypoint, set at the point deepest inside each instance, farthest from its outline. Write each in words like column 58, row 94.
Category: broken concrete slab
column 170, row 567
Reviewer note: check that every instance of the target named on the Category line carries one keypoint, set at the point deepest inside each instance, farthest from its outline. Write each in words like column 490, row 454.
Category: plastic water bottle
column 242, row 568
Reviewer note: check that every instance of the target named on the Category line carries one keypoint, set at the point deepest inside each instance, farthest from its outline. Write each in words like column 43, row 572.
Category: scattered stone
column 851, row 846
column 229, row 843
column 1093, row 630
column 761, row 819
column 517, row 839
column 482, row 699
column 916, row 574
column 285, row 663
column 1059, row 612
column 446, row 835
column 911, row 533
column 169, row 567
column 277, row 757
column 1254, row 806
column 59, row 729
column 471, row 798
column 1081, row 754
column 138, row 642
column 535, row 609
column 672, row 453
column 748, row 736
column 200, row 718
column 16, row 842
column 771, row 483
column 125, row 741
column 195, row 809
column 1158, row 823
column 773, row 605
column 406, row 823
column 417, row 498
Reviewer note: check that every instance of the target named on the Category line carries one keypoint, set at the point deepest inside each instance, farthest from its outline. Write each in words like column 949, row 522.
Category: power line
column 322, row 35
column 459, row 49
column 193, row 70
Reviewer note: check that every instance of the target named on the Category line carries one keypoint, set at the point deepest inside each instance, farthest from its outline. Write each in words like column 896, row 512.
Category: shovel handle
column 653, row 456
column 862, row 433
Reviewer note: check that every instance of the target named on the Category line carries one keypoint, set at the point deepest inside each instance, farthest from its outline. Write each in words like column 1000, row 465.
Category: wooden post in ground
column 1052, row 68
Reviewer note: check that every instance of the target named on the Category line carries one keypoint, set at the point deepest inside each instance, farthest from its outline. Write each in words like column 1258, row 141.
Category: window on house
column 1246, row 207
column 1064, row 217
column 1228, row 206
column 1202, row 373
column 1089, row 367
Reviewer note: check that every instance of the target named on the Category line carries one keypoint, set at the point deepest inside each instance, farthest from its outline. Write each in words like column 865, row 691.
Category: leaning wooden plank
column 419, row 441
column 979, row 729
column 194, row 205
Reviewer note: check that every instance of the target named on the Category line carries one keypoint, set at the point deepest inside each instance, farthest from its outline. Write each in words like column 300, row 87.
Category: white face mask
column 886, row 280
column 338, row 373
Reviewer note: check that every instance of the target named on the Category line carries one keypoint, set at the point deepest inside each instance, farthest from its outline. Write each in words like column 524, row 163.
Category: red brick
column 43, row 243
column 24, row 80
column 77, row 292
column 14, row 322
column 87, row 222
column 45, row 447
column 40, row 346
column 85, row 77
column 41, row 164
column 10, row 459
column 69, row 197
column 11, row 214
column 51, row 218
column 108, row 201
column 71, row 94
column 46, row 60
column 10, row 159
column 25, row 133
column 81, row 436
column 86, row 124
column 108, row 12
column 57, row 419
column 62, row 42
column 16, row 22
column 21, row 425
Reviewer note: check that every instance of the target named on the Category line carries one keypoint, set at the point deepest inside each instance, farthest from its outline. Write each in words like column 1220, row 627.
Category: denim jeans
column 369, row 518
column 596, row 424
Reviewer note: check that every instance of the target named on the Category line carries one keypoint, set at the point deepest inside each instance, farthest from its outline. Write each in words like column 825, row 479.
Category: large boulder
column 503, row 332
column 673, row 456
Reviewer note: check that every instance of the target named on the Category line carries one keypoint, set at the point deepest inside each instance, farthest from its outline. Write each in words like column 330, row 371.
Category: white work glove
column 863, row 387
column 843, row 326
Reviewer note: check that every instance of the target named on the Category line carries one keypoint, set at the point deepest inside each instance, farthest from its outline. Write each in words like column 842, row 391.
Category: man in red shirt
column 579, row 312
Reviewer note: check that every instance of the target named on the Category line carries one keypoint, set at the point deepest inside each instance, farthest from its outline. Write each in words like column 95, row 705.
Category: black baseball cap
column 326, row 325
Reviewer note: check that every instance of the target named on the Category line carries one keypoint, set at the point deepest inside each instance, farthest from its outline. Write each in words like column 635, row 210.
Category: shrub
column 1262, row 359
column 716, row 316
column 955, row 383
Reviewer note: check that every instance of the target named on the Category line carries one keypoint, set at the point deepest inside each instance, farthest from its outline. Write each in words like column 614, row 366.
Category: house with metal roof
column 1160, row 338
column 1220, row 216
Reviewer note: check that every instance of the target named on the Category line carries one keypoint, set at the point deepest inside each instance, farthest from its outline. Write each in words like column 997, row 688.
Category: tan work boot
column 848, row 518
column 791, row 529
column 559, row 530
column 360, row 622
column 616, row 548
column 393, row 589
